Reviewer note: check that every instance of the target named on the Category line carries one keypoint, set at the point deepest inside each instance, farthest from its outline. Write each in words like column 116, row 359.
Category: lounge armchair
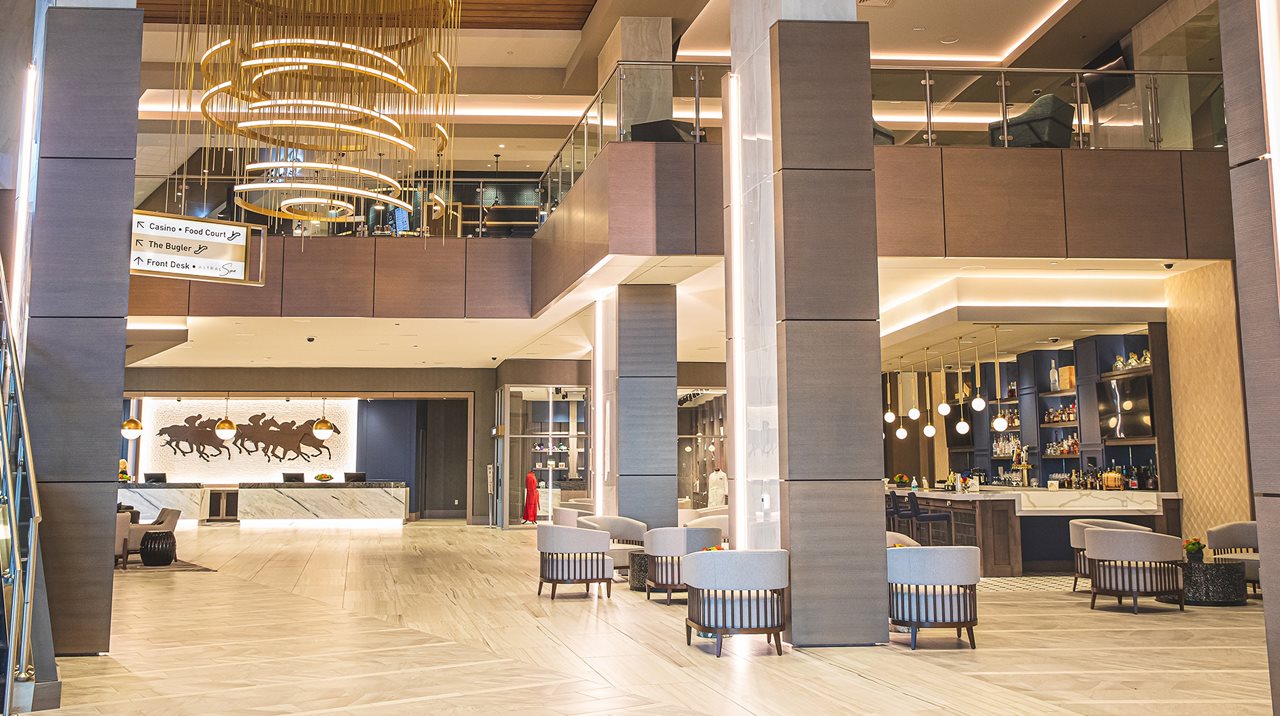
column 569, row 555
column 737, row 592
column 625, row 536
column 567, row 516
column 899, row 539
column 666, row 548
column 122, row 539
column 1077, row 529
column 1131, row 563
column 934, row 587
column 1046, row 123
column 166, row 521
column 719, row 522
column 1237, row 541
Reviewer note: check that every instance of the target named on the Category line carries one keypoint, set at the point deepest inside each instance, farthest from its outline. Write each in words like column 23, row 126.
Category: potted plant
column 1194, row 549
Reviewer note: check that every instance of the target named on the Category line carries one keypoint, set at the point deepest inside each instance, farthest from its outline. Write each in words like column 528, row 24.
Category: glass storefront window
column 546, row 449
column 701, row 448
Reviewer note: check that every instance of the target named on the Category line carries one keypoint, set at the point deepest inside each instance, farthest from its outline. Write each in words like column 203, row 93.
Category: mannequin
column 530, row 498
column 717, row 488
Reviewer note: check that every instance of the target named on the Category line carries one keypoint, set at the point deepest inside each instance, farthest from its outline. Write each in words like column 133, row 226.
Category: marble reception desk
column 310, row 500
column 275, row 500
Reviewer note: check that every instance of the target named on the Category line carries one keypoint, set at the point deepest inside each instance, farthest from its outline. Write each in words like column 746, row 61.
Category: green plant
column 1192, row 545
column 324, row 477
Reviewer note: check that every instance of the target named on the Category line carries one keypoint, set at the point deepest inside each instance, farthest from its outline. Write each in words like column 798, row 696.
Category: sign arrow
column 138, row 243
column 140, row 224
column 138, row 261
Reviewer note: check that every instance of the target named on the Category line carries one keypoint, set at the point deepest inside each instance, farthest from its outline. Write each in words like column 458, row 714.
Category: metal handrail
column 18, row 482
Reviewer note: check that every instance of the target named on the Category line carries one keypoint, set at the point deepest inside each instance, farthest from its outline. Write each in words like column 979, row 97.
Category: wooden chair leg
column 1093, row 600
column 608, row 589
column 914, row 632
column 646, row 590
column 957, row 632
column 1075, row 583
column 1120, row 601
column 777, row 642
column 972, row 643
column 1135, row 602
column 719, row 644
column 539, row 587
column 688, row 634
column 668, row 596
column 553, row 591
column 1182, row 601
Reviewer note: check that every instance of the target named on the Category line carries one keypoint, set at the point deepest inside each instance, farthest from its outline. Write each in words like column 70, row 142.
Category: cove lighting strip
column 597, row 408
column 737, row 308
column 334, row 64
column 22, row 205
column 309, row 42
column 307, row 186
column 320, row 124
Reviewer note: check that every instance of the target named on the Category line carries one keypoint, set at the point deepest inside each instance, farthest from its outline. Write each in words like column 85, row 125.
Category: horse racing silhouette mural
column 260, row 435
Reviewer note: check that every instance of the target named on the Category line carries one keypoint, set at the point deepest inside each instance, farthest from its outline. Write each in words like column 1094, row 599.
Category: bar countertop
column 1039, row 502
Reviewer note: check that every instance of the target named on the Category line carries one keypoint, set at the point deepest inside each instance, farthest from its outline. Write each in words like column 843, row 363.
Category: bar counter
column 1026, row 528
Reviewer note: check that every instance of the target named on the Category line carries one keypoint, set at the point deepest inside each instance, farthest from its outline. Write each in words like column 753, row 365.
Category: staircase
column 30, row 673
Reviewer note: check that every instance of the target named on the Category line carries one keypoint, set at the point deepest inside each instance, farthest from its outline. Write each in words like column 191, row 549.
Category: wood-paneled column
column 635, row 384
column 1251, row 41
column 804, row 313
column 79, row 278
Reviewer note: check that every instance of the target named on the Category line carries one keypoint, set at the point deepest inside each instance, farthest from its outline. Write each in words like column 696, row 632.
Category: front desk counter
column 270, row 500
column 1026, row 528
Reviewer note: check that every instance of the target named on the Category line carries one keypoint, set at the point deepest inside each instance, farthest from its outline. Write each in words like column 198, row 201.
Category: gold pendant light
column 322, row 428
column 225, row 429
column 311, row 90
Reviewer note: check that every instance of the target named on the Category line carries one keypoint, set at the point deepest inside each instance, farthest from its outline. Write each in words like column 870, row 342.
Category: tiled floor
column 444, row 619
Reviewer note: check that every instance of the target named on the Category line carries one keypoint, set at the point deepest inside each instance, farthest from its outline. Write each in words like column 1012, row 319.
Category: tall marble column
column 803, row 312
column 634, row 386
column 644, row 94
column 1250, row 62
column 79, row 279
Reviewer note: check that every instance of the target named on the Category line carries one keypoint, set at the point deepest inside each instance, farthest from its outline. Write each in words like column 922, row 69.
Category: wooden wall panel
column 708, row 190
column 220, row 299
column 1003, row 203
column 498, row 275
column 909, row 218
column 1124, row 204
column 674, row 199
column 330, row 276
column 151, row 296
column 594, row 185
column 1206, row 195
column 632, row 200
column 419, row 278
column 1242, row 85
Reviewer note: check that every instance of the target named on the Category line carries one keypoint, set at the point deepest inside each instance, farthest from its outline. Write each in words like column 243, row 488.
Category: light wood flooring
column 444, row 619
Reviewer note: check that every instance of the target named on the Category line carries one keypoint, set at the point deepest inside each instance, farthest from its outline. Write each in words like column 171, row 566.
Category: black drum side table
column 158, row 549
column 639, row 570
column 1212, row 584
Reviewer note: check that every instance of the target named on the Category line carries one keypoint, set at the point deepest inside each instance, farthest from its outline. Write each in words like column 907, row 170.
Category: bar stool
column 926, row 519
column 900, row 511
column 890, row 511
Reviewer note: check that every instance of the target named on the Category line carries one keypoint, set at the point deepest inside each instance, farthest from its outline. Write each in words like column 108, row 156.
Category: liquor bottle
column 1053, row 376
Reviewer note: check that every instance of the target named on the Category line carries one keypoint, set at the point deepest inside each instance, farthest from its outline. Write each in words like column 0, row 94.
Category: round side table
column 1212, row 584
column 639, row 570
column 158, row 549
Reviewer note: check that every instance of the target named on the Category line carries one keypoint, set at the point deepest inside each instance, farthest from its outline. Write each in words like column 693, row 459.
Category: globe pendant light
column 901, row 432
column 131, row 429
column 1000, row 423
column 889, row 417
column 226, row 428
column 962, row 427
column 928, row 431
column 322, row 428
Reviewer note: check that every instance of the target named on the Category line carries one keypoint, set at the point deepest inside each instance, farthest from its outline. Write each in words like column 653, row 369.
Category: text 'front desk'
column 271, row 500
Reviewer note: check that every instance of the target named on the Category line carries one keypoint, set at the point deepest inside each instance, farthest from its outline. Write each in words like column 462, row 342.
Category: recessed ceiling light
column 1055, row 339
column 920, row 28
column 1088, row 330
column 949, row 40
column 530, row 96
column 502, row 146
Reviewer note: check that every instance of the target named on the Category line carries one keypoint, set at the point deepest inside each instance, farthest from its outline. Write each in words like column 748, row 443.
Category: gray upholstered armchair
column 1238, row 542
column 737, row 592
column 1046, row 123
column 1127, row 562
column 934, row 587
column 625, row 536
column 1077, row 529
column 666, row 548
column 166, row 521
column 569, row 555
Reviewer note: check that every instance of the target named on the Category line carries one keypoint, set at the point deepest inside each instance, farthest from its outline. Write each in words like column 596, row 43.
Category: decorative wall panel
column 274, row 437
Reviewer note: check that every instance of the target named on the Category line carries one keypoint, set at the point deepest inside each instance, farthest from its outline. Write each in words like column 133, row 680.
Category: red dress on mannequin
column 530, row 497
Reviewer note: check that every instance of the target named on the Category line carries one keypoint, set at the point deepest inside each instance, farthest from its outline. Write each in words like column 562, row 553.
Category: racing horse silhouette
column 260, row 434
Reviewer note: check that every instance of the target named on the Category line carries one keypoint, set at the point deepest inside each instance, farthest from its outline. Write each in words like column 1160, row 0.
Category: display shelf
column 1066, row 424
column 1127, row 372
column 1128, row 441
column 1071, row 393
column 1061, row 456
column 1004, row 401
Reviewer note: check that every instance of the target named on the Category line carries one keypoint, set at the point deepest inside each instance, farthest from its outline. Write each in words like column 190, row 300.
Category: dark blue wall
column 387, row 441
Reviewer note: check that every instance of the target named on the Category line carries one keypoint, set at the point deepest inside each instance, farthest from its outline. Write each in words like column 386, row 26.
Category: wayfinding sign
column 189, row 248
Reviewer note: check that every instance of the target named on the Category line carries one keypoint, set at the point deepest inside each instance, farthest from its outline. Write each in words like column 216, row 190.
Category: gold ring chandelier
column 336, row 101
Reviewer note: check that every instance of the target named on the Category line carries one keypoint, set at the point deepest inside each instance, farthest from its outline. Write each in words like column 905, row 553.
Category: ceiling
column 514, row 14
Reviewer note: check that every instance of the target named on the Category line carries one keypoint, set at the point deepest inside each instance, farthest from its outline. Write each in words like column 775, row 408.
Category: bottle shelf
column 1128, row 441
column 1066, row 424
column 1127, row 372
column 1061, row 456
column 1059, row 394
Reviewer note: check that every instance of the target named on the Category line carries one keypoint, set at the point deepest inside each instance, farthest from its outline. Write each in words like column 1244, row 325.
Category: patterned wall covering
column 1208, row 402
column 244, row 458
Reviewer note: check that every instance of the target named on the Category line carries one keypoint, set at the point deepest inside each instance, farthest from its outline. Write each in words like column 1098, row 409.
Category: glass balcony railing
column 643, row 102
column 1061, row 109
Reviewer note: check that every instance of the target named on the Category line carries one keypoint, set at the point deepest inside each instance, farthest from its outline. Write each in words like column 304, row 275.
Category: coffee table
column 1212, row 584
